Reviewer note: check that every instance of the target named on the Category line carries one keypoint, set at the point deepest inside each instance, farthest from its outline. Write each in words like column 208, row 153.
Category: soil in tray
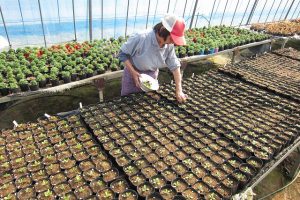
column 190, row 194
column 211, row 181
column 201, row 187
column 145, row 189
column 52, row 169
column 110, row 175
column 137, row 179
column 180, row 168
column 72, row 172
column 106, row 194
column 219, row 173
column 7, row 188
column 149, row 171
column 76, row 181
column 97, row 185
column 167, row 192
column 46, row 195
column 86, row 165
column 32, row 157
column 91, row 174
column 141, row 163
column 128, row 195
column 57, row 178
column 231, row 183
column 212, row 195
column 35, row 166
column 62, row 189
column 158, row 181
column 20, row 172
column 67, row 163
column 179, row 184
column 119, row 186
column 170, row 160
column 23, row 182
column 103, row 166
column 26, row 193
column 83, row 192
column 5, row 178
column 42, row 185
column 160, row 165
column 81, row 156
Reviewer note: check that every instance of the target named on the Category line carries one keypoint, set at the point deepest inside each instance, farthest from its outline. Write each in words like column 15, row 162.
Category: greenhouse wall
column 48, row 22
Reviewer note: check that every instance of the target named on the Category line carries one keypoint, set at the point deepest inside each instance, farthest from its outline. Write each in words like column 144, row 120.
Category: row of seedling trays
column 168, row 153
column 57, row 158
column 274, row 72
column 251, row 120
column 288, row 52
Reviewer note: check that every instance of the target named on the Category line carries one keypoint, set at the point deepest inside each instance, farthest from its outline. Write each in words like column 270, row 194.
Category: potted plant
column 66, row 76
column 33, row 85
column 4, row 90
column 54, row 79
column 14, row 87
column 41, row 79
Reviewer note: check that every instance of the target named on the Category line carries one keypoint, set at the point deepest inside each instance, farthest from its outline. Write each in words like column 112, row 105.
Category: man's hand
column 136, row 76
column 181, row 97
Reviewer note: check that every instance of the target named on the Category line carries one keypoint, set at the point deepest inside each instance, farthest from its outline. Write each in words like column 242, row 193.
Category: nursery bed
column 228, row 130
column 147, row 145
column 277, row 73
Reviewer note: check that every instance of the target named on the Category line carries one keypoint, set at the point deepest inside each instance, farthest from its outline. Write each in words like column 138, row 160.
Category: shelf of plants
column 57, row 158
column 210, row 147
column 274, row 72
column 280, row 28
column 31, row 69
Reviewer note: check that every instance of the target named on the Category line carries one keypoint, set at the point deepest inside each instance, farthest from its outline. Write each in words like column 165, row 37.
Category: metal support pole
column 5, row 27
column 195, row 7
column 270, row 10
column 244, row 13
column 196, row 20
column 58, row 11
column 224, row 12
column 90, row 20
column 74, row 24
column 184, row 8
column 252, row 11
column 148, row 14
column 102, row 19
column 283, row 10
column 168, row 6
column 127, row 18
column 289, row 9
column 234, row 12
column 42, row 23
column 262, row 10
column 175, row 6
column 277, row 10
column 136, row 8
column 155, row 12
column 21, row 15
column 115, row 18
column 212, row 10
column 295, row 9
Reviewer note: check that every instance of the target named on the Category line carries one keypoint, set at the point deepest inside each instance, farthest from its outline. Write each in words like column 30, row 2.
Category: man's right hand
column 136, row 78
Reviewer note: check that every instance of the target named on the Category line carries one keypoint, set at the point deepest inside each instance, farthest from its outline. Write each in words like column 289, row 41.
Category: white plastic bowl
column 153, row 83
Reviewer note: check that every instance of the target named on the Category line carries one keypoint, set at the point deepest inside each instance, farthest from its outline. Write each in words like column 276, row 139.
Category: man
column 145, row 53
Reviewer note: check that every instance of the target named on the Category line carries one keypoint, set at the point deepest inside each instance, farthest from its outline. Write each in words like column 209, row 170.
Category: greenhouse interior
column 140, row 99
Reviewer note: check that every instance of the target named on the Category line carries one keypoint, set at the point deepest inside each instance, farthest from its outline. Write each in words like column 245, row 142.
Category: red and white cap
column 175, row 26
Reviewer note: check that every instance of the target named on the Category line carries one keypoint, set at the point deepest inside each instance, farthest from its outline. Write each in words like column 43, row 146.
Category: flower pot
column 83, row 192
column 106, row 194
column 98, row 185
column 73, row 77
column 255, row 162
column 42, row 83
column 179, row 184
column 110, row 175
column 190, row 193
column 62, row 189
column 82, row 76
column 54, row 82
column 4, row 91
column 66, row 79
column 24, row 87
column 201, row 187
